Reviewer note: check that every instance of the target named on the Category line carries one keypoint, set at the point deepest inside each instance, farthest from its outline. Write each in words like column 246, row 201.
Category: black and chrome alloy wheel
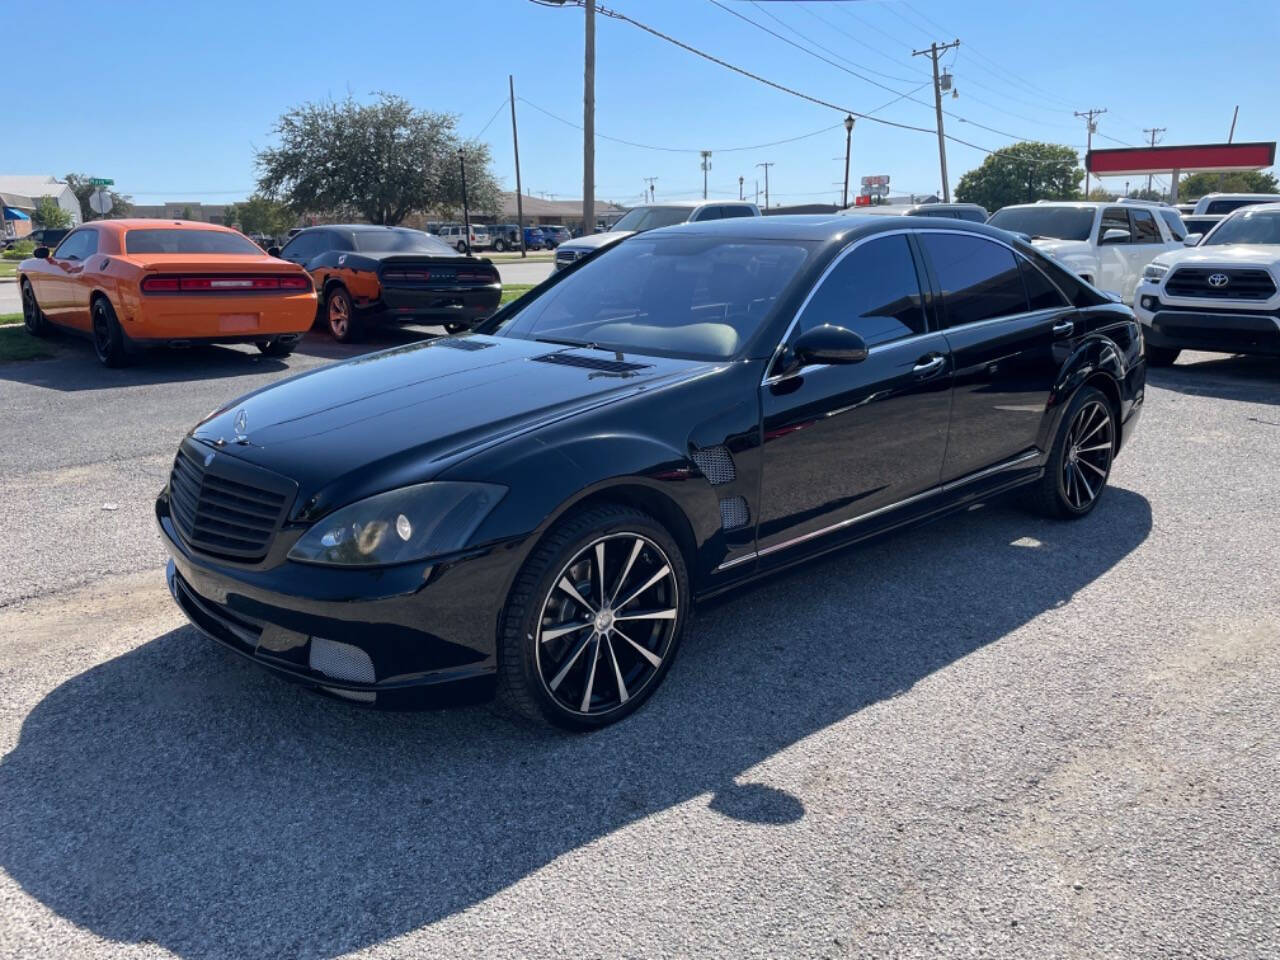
column 607, row 623
column 1087, row 453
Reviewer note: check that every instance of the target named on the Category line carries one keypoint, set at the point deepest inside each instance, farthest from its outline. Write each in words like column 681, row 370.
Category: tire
column 1080, row 461
column 462, row 246
column 454, row 326
column 340, row 316
column 276, row 348
column 32, row 316
column 108, row 339
column 1161, row 356
column 499, row 246
column 575, row 677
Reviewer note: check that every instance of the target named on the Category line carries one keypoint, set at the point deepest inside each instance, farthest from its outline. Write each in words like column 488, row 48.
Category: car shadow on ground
column 179, row 795
column 1251, row 379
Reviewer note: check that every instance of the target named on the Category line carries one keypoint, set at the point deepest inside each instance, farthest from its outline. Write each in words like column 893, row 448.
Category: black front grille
column 223, row 506
column 1241, row 284
column 566, row 256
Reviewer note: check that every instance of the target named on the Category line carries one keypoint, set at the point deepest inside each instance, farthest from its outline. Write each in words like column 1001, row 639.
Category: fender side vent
column 716, row 464
column 590, row 363
column 734, row 513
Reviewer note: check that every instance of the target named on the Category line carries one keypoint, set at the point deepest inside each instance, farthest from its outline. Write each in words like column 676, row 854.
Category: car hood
column 1254, row 254
column 596, row 240
column 1062, row 249
column 406, row 414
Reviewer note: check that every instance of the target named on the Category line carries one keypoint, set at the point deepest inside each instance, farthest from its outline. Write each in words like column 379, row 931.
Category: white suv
column 455, row 234
column 1222, row 295
column 650, row 217
column 1221, row 203
column 1106, row 244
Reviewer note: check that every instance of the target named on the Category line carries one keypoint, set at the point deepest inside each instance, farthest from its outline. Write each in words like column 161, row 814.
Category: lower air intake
column 342, row 661
column 734, row 513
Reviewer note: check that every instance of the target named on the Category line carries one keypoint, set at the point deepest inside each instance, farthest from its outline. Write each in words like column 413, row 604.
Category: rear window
column 404, row 241
column 1226, row 206
column 1058, row 223
column 188, row 241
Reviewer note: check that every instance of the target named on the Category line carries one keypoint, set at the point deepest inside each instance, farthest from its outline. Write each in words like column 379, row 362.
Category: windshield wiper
column 567, row 343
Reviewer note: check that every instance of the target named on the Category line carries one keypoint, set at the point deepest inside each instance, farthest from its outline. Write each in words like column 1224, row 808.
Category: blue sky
column 171, row 99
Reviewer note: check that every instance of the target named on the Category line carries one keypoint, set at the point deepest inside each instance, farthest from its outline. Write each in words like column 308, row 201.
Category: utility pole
column 740, row 194
column 933, row 53
column 649, row 189
column 589, row 124
column 1091, row 127
column 1222, row 177
column 466, row 212
column 766, row 184
column 757, row 192
column 1155, row 134
column 706, row 165
column 848, row 142
column 515, row 143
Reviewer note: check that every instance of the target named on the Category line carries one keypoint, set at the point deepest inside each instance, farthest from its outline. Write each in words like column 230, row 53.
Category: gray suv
column 651, row 216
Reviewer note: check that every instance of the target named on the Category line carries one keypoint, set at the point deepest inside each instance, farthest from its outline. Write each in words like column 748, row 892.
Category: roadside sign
column 100, row 202
column 879, row 180
column 102, row 181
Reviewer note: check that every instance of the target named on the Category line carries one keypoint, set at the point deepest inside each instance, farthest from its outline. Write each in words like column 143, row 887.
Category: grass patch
column 9, row 319
column 509, row 292
column 539, row 257
column 8, row 268
column 20, row 345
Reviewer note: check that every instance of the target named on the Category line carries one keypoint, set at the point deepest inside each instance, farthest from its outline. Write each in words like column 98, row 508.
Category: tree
column 1101, row 195
column 381, row 161
column 260, row 215
column 1196, row 185
column 187, row 214
column 49, row 214
column 121, row 206
column 1145, row 194
column 1023, row 173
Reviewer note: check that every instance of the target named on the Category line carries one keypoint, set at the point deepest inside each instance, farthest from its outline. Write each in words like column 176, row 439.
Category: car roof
column 823, row 228
column 690, row 204
column 361, row 227
column 143, row 223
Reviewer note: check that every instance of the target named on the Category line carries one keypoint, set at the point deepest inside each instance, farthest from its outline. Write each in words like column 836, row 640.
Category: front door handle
column 1064, row 328
column 929, row 365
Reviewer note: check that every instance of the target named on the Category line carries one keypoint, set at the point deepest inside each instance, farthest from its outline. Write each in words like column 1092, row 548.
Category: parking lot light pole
column 466, row 213
column 740, row 196
column 766, row 182
column 706, row 165
column 848, row 143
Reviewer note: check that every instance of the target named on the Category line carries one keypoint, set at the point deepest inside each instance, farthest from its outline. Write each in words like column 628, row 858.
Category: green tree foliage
column 121, row 205
column 187, row 214
column 1196, row 185
column 49, row 214
column 260, row 215
column 382, row 161
column 1023, row 173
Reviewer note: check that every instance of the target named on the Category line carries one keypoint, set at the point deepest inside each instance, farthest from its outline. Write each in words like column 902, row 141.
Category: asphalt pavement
column 994, row 735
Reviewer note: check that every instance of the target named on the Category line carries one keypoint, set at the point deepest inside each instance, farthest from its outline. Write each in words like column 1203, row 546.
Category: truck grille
column 1241, row 284
column 566, row 256
column 226, row 507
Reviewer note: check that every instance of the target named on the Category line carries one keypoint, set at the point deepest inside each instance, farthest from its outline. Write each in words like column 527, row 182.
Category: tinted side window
column 979, row 278
column 333, row 240
column 709, row 213
column 77, row 245
column 1174, row 222
column 731, row 211
column 874, row 291
column 1114, row 218
column 1041, row 293
column 973, row 216
column 1144, row 227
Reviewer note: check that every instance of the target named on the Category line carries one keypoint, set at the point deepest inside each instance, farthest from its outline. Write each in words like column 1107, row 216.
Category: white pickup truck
column 1107, row 244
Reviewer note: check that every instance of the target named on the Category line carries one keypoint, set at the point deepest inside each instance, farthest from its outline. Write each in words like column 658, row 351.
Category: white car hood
column 1062, row 249
column 1263, row 255
column 595, row 241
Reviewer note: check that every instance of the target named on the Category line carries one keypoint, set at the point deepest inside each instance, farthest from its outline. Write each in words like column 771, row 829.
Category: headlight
column 1154, row 271
column 412, row 523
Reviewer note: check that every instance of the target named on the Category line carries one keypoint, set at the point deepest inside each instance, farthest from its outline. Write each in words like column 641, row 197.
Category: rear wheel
column 108, row 338
column 462, row 246
column 1161, row 356
column 453, row 326
column 594, row 619
column 1080, row 462
column 32, row 316
column 341, row 317
column 499, row 245
column 276, row 348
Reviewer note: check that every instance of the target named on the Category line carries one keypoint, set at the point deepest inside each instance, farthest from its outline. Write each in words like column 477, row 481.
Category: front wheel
column 1161, row 356
column 499, row 245
column 108, row 338
column 594, row 619
column 1080, row 461
column 32, row 316
column 462, row 247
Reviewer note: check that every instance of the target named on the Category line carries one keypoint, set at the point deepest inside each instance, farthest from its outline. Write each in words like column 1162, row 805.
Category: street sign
column 100, row 202
column 102, row 181
column 879, row 180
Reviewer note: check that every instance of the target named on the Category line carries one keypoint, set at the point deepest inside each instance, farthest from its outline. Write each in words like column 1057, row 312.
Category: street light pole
column 589, row 124
column 766, row 181
column 848, row 142
column 466, row 212
column 706, row 165
column 515, row 142
column 740, row 194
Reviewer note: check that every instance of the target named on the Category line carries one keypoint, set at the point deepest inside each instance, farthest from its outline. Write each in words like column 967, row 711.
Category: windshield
column 650, row 218
column 1058, row 223
column 401, row 241
column 699, row 298
column 188, row 241
column 1248, row 226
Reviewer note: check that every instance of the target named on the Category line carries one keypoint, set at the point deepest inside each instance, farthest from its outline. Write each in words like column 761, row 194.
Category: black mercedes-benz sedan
column 534, row 507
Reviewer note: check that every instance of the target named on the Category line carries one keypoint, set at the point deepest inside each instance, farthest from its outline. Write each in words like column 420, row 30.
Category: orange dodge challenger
column 132, row 284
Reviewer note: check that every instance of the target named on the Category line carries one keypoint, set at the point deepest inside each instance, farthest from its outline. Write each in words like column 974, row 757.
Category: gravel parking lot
column 993, row 735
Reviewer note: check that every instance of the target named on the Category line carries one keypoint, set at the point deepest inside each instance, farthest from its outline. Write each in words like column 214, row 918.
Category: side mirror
column 273, row 251
column 1115, row 235
column 41, row 253
column 1192, row 239
column 829, row 344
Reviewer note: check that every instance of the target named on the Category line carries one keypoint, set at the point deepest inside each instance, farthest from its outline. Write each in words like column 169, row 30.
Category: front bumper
column 1218, row 329
column 415, row 626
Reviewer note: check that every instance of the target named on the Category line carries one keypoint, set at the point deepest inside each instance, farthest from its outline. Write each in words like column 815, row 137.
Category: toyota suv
column 1106, row 244
column 650, row 217
column 1220, row 295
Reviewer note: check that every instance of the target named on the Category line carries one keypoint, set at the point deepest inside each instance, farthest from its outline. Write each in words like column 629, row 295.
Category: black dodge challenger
column 534, row 507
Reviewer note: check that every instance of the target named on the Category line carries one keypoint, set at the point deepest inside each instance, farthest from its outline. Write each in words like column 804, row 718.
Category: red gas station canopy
column 1205, row 157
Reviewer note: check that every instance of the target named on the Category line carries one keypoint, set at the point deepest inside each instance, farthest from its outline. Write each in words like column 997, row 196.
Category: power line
column 499, row 109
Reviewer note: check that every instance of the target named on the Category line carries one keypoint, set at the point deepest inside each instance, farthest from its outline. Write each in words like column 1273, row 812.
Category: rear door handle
column 1064, row 328
column 929, row 365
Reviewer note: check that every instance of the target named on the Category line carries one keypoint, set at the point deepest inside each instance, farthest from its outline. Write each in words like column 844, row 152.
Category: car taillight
column 477, row 276
column 223, row 284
